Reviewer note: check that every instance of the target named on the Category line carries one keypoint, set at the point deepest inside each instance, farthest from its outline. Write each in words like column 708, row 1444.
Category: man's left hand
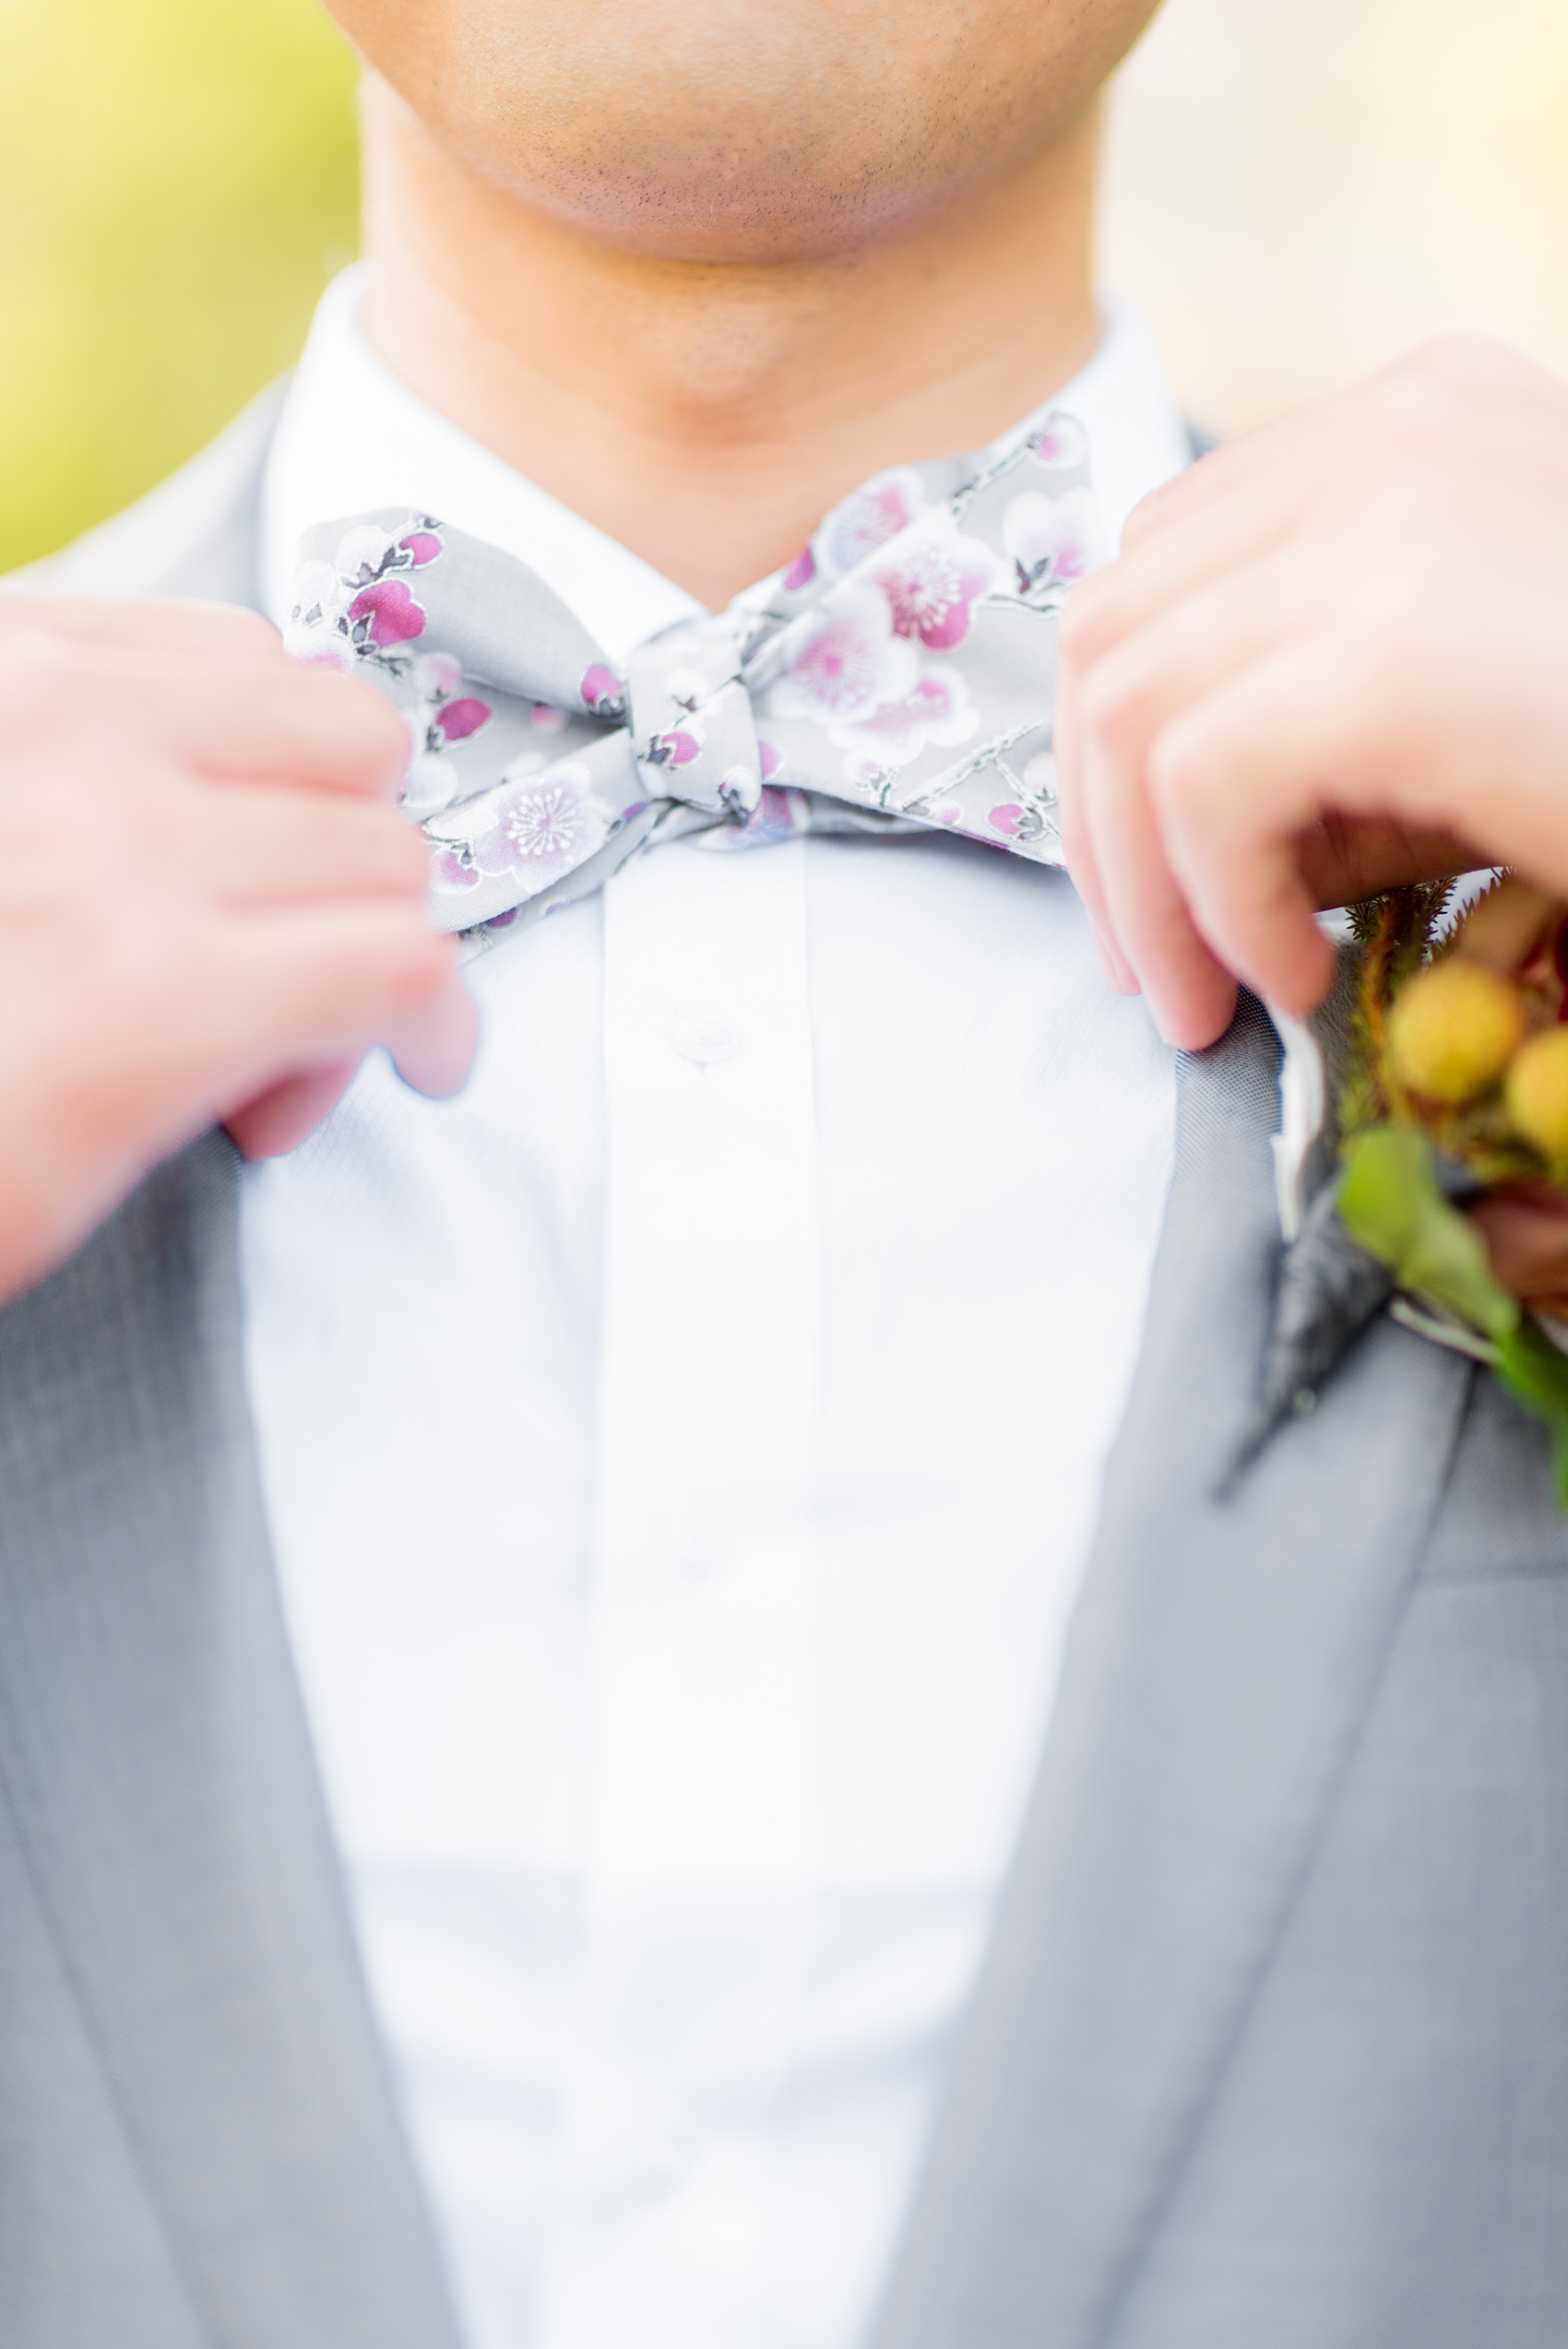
column 1332, row 659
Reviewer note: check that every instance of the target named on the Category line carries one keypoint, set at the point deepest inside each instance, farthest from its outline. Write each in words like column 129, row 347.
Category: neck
column 707, row 414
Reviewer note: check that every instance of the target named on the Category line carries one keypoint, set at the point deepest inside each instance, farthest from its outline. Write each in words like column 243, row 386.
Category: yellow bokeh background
column 1295, row 190
column 1299, row 189
column 177, row 181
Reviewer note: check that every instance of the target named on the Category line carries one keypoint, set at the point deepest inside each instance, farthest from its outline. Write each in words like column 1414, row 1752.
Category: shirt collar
column 353, row 436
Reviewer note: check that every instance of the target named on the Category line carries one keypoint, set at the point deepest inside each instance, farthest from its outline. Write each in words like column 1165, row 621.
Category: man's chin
column 707, row 130
column 728, row 218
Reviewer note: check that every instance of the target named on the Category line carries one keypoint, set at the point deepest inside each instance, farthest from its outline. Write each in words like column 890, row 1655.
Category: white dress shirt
column 682, row 1453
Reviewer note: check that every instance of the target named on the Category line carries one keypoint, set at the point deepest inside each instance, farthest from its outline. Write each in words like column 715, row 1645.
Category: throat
column 707, row 414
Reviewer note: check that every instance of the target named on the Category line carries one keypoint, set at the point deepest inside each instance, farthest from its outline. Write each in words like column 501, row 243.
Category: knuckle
column 1447, row 389
column 371, row 733
column 1408, row 523
column 1112, row 704
column 1462, row 357
column 1088, row 620
column 1388, row 636
column 1179, row 782
column 1417, row 406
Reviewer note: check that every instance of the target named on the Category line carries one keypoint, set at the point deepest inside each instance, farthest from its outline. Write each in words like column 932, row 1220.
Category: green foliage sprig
column 1407, row 1156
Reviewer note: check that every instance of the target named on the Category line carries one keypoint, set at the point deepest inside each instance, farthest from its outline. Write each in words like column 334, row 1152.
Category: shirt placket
column 702, row 1737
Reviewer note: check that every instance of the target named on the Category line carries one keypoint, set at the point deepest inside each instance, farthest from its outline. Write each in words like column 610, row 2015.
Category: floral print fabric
column 900, row 672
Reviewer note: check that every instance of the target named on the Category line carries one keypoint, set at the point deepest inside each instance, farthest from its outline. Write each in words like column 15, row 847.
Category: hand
column 1332, row 659
column 209, row 906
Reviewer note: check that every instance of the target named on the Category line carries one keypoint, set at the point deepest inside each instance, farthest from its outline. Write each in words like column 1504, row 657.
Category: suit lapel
column 1222, row 1660
column 154, row 1759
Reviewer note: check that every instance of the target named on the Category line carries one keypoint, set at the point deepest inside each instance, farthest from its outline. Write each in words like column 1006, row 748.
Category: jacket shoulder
column 196, row 534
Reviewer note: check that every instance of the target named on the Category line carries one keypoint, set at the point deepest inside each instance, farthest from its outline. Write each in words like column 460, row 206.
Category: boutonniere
column 1449, row 1110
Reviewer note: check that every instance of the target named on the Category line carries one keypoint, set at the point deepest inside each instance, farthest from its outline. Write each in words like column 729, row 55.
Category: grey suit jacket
column 1271, row 2048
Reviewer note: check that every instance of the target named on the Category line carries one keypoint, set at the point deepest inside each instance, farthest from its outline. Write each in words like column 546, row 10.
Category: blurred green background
column 1296, row 189
column 177, row 181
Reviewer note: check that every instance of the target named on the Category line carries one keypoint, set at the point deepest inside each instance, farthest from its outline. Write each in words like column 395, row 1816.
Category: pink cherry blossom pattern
column 362, row 553
column 1005, row 818
column 677, row 748
column 421, row 547
column 1060, row 440
column 318, row 647
column 384, row 615
column 774, row 816
column 437, row 674
column 935, row 709
column 769, row 759
column 778, row 816
column 451, row 873
column 319, row 592
column 801, row 572
column 543, row 827
column 866, row 519
column 1054, row 541
column 458, row 720
column 842, row 660
column 932, row 584
column 602, row 692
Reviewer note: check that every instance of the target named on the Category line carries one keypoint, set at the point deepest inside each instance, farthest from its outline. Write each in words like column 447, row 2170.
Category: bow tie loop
column 900, row 674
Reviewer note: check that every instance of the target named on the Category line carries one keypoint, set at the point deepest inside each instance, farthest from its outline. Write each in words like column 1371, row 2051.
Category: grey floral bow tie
column 900, row 673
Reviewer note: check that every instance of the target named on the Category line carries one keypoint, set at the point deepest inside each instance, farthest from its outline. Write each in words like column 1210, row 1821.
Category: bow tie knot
column 691, row 718
column 900, row 674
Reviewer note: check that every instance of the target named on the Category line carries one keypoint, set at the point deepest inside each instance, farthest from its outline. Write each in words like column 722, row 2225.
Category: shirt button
column 702, row 1034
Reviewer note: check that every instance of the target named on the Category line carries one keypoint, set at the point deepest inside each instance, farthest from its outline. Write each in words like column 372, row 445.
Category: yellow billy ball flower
column 1454, row 1030
column 1538, row 1093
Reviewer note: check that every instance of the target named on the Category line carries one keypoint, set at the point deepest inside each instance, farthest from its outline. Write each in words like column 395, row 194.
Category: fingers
column 433, row 1046
column 1112, row 833
column 1327, row 663
column 286, row 1114
column 317, row 983
column 1138, row 906
column 1236, row 781
column 221, row 701
column 1343, row 859
column 166, row 625
column 1078, row 844
column 1166, row 554
column 308, row 727
column 259, row 844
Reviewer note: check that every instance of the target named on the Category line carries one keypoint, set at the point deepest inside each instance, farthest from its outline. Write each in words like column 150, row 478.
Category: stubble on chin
column 715, row 130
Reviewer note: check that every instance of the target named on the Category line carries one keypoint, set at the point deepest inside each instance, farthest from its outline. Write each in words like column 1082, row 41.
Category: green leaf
column 1390, row 1203
column 1532, row 1369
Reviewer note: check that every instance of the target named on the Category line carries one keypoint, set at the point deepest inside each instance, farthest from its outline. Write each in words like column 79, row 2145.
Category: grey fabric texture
column 198, row 2138
column 1271, row 2048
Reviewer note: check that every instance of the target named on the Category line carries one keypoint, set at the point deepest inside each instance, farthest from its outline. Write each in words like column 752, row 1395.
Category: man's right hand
column 209, row 906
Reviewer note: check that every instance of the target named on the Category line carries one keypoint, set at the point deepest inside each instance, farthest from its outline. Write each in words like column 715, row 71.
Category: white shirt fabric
column 682, row 1453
